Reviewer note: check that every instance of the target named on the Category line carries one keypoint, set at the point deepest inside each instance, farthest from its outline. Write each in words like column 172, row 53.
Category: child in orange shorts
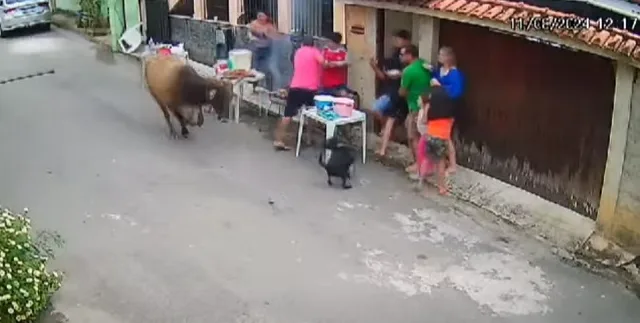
column 433, row 147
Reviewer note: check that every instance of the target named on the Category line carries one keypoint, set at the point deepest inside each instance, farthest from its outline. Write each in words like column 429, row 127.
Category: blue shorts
column 382, row 104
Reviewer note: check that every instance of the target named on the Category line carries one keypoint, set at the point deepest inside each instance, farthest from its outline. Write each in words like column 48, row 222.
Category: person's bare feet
column 280, row 146
column 380, row 153
column 412, row 168
column 450, row 170
column 443, row 191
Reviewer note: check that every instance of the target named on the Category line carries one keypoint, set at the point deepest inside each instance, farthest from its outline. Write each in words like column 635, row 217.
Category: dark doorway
column 157, row 21
column 218, row 8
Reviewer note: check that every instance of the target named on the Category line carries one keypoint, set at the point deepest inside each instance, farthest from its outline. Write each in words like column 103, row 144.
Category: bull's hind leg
column 183, row 123
column 167, row 117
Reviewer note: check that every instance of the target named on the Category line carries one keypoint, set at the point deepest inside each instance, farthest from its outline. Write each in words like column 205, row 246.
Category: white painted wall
column 361, row 49
column 426, row 33
column 619, row 212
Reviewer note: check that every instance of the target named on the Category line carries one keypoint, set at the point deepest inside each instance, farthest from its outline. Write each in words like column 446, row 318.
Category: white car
column 16, row 14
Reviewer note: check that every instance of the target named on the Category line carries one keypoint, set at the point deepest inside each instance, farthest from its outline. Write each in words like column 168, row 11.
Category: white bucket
column 240, row 59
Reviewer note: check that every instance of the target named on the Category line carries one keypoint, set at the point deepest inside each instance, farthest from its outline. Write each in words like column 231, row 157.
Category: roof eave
column 548, row 37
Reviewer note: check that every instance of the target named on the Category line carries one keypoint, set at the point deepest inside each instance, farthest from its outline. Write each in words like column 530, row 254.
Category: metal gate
column 534, row 115
column 250, row 9
column 158, row 28
column 312, row 17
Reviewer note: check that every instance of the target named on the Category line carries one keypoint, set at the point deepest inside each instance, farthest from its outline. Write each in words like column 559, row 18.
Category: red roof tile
column 614, row 40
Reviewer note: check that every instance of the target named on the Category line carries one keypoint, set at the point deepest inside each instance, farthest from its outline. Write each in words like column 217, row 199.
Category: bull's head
column 219, row 97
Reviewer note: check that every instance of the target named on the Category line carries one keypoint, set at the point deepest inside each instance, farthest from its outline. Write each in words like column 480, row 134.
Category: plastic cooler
column 343, row 106
column 323, row 102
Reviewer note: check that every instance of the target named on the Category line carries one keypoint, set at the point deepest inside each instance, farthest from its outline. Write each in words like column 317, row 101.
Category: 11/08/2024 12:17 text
column 570, row 24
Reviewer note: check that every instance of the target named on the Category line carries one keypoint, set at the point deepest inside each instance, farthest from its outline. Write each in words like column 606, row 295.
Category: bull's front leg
column 183, row 125
column 200, row 117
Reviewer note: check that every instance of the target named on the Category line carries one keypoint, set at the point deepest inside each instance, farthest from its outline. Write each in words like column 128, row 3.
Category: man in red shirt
column 334, row 76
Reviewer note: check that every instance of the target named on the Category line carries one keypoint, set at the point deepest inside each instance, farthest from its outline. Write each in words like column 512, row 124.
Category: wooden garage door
column 534, row 115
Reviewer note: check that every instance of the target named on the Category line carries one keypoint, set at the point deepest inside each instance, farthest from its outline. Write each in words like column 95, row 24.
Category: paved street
column 159, row 230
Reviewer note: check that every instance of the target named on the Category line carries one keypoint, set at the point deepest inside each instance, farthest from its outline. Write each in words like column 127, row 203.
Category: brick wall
column 627, row 219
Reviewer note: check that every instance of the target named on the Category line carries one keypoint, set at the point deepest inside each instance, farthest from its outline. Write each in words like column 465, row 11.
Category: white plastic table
column 240, row 83
column 330, row 127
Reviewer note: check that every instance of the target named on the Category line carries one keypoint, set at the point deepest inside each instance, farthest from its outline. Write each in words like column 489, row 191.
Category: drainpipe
column 116, row 22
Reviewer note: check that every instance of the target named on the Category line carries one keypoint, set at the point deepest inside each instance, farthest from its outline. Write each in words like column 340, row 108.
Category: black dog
column 339, row 163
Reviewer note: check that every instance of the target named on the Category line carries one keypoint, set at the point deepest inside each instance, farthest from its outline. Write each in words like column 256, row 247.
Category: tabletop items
column 332, row 108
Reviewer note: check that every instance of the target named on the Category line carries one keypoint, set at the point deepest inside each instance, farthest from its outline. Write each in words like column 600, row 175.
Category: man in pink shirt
column 307, row 70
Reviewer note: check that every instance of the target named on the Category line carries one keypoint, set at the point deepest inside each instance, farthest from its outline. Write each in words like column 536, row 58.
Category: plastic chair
column 131, row 39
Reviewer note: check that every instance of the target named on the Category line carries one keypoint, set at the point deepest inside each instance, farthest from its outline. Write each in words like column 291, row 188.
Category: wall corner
column 339, row 19
column 199, row 9
column 426, row 35
column 625, row 77
column 284, row 16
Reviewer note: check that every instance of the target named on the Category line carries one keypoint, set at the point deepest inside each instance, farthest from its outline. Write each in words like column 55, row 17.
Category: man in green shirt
column 415, row 82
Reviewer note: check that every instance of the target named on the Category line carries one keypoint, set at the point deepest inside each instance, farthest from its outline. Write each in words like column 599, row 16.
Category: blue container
column 323, row 102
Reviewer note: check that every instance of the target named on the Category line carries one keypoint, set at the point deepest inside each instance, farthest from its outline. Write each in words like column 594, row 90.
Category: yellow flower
column 10, row 311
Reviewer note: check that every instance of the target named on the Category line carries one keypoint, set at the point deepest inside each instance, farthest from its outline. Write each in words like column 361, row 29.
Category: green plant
column 26, row 286
column 91, row 14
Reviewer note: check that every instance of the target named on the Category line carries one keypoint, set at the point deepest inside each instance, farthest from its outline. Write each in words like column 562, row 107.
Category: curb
column 60, row 21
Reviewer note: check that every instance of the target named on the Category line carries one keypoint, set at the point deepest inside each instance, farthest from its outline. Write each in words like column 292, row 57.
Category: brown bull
column 180, row 91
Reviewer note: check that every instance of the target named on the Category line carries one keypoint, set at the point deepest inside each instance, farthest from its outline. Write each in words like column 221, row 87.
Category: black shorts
column 296, row 99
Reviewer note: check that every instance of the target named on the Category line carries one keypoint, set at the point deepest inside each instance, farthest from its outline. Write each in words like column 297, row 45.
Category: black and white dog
column 340, row 162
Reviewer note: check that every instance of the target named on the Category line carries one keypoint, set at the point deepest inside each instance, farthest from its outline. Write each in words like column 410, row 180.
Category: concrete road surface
column 160, row 230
